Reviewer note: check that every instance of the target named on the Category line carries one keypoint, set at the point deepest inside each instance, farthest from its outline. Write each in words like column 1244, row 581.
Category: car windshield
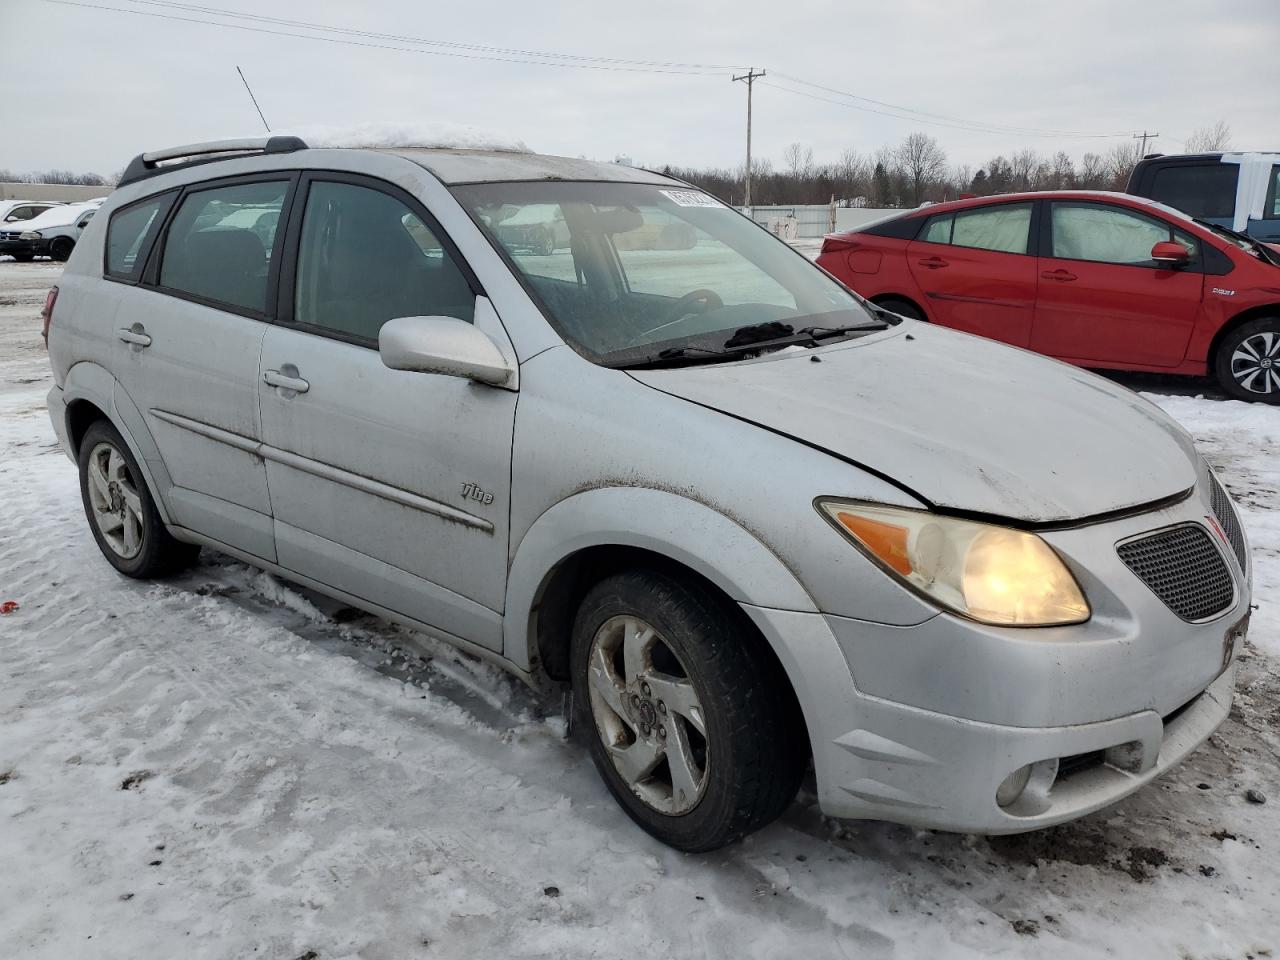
column 627, row 271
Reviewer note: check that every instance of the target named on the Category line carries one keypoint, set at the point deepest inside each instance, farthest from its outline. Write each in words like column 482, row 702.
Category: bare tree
column 922, row 161
column 1121, row 160
column 1022, row 166
column 798, row 159
column 1093, row 172
column 1210, row 139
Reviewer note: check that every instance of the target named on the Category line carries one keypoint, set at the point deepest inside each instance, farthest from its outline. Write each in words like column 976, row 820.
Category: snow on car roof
column 59, row 216
column 384, row 135
column 469, row 166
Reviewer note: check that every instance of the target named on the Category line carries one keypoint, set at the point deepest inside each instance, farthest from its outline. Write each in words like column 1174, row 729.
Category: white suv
column 749, row 517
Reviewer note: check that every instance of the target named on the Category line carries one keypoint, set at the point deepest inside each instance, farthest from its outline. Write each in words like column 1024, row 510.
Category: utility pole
column 751, row 76
column 1144, row 137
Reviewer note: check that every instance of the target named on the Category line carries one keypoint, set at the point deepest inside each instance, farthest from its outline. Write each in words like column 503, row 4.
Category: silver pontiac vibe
column 588, row 422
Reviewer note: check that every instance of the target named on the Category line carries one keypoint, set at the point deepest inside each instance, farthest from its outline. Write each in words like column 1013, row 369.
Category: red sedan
column 1095, row 279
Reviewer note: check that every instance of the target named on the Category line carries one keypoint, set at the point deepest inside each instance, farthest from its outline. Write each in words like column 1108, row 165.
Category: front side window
column 129, row 234
column 1206, row 190
column 23, row 213
column 1107, row 234
column 220, row 243
column 1273, row 195
column 625, row 271
column 365, row 258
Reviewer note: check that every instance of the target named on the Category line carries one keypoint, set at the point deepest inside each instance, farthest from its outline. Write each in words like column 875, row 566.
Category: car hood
column 962, row 422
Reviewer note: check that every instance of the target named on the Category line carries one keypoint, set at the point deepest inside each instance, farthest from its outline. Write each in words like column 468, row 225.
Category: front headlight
column 29, row 235
column 991, row 574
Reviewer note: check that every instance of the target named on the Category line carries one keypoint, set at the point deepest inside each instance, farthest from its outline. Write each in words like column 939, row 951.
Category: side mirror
column 1170, row 254
column 442, row 345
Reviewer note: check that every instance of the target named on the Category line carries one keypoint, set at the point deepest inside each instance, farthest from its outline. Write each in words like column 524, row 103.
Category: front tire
column 902, row 308
column 60, row 249
column 121, row 513
column 690, row 722
column 1247, row 363
column 23, row 257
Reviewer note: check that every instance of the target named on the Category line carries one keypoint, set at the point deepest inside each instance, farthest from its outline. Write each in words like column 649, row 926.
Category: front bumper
column 11, row 247
column 920, row 724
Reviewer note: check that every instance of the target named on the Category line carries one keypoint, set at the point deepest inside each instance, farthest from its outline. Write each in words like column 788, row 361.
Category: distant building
column 624, row 160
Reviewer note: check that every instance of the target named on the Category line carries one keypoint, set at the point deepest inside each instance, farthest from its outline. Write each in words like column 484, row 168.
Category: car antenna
column 253, row 98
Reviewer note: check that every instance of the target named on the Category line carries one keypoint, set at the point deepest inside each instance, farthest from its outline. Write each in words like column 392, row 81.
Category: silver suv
column 754, row 521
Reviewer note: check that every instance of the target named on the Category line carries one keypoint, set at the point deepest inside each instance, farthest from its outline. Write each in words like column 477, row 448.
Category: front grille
column 1183, row 568
column 1227, row 519
column 10, row 235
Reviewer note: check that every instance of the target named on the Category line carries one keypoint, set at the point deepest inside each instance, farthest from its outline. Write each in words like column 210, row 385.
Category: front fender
column 93, row 383
column 692, row 533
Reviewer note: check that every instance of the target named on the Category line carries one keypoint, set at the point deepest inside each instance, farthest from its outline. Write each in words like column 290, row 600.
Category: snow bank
column 433, row 134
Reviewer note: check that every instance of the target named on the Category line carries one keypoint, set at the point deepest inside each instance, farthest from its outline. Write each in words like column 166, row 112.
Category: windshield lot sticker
column 690, row 198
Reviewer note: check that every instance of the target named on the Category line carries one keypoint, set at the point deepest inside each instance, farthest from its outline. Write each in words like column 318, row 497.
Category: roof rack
column 162, row 161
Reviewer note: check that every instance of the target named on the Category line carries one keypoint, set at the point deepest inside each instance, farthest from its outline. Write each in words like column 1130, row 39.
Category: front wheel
column 121, row 513
column 60, row 249
column 1247, row 364
column 690, row 723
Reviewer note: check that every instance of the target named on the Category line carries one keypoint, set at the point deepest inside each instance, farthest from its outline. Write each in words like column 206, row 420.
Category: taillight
column 46, row 314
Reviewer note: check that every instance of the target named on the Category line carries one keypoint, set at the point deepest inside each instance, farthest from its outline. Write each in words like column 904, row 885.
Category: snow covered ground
column 223, row 766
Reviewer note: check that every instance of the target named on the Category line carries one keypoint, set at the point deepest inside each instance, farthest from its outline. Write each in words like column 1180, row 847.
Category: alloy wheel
column 1255, row 363
column 113, row 495
column 648, row 715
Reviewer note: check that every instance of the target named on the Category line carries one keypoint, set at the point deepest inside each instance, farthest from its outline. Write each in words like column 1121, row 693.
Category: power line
column 960, row 125
column 1000, row 127
column 403, row 43
column 425, row 41
column 380, row 46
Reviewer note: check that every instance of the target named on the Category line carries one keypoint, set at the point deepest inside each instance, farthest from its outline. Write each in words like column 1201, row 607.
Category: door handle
column 1063, row 275
column 933, row 263
column 286, row 382
column 134, row 336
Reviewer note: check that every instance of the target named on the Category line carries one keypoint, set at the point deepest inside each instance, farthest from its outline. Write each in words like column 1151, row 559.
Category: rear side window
column 1198, row 189
column 365, row 258
column 219, row 245
column 130, row 232
column 1003, row 228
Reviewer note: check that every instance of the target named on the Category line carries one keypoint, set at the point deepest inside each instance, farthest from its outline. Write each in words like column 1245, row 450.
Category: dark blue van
column 1236, row 190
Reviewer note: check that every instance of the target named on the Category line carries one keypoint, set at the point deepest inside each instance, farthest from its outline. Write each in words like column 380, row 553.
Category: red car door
column 974, row 270
column 1103, row 299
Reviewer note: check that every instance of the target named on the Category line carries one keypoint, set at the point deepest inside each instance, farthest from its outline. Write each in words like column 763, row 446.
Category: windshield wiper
column 1253, row 242
column 693, row 354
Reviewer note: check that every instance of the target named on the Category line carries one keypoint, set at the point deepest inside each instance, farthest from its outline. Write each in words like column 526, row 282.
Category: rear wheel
column 121, row 513
column 903, row 308
column 689, row 723
column 61, row 247
column 1247, row 363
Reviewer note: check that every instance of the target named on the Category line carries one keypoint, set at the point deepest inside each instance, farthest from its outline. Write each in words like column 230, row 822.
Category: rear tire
column 902, row 308
column 121, row 512
column 60, row 249
column 700, row 664
column 1247, row 362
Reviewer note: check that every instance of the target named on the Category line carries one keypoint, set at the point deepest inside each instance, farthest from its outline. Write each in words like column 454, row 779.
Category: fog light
column 1011, row 788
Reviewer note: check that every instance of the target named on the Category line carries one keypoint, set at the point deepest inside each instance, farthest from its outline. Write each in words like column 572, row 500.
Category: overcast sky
column 88, row 87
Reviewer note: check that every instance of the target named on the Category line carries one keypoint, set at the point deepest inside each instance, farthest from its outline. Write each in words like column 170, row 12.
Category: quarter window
column 129, row 234
column 1197, row 189
column 1108, row 234
column 365, row 258
column 220, row 244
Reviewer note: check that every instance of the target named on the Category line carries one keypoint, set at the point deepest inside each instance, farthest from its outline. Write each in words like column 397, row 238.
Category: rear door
column 1102, row 298
column 976, row 270
column 187, row 336
column 392, row 486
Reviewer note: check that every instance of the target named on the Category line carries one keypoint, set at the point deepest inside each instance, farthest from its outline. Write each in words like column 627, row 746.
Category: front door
column 186, row 341
column 975, row 271
column 1102, row 298
column 389, row 485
